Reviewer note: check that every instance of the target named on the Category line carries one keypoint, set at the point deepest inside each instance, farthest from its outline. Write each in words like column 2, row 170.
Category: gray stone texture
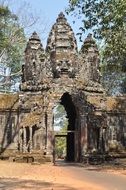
column 62, row 74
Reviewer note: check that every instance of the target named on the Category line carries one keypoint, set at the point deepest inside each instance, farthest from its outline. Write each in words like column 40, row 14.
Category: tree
column 12, row 44
column 59, row 117
column 60, row 125
column 13, row 39
column 61, row 142
column 107, row 20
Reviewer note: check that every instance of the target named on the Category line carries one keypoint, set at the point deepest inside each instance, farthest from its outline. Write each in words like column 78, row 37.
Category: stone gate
column 61, row 74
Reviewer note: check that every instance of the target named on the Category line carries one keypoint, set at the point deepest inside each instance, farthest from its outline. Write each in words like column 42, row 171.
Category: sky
column 47, row 11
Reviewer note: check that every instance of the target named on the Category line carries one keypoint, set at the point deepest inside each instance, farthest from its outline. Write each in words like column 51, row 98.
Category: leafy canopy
column 107, row 20
column 12, row 39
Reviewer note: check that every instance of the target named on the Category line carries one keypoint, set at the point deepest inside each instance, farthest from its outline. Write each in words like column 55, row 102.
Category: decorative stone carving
column 90, row 60
column 34, row 69
column 60, row 74
column 62, row 47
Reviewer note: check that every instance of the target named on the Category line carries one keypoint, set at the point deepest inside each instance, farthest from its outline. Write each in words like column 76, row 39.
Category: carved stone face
column 63, row 68
column 60, row 59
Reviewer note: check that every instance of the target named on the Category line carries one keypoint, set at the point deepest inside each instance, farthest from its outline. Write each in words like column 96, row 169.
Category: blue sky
column 48, row 11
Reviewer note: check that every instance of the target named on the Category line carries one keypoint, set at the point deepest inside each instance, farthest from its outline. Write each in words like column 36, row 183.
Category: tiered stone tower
column 90, row 55
column 62, row 47
column 61, row 60
column 61, row 74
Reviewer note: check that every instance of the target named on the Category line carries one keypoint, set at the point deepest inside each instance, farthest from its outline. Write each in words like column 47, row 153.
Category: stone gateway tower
column 61, row 74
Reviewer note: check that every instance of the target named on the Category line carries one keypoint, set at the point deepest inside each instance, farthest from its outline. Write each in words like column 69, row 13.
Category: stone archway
column 71, row 133
column 66, row 101
column 60, row 72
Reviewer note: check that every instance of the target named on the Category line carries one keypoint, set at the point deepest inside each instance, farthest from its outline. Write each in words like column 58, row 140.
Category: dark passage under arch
column 66, row 101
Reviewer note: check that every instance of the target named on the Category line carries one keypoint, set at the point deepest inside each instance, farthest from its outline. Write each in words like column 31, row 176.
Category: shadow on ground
column 23, row 184
column 92, row 167
column 63, row 163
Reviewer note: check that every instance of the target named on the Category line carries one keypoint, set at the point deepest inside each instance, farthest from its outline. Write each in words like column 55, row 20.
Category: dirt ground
column 21, row 176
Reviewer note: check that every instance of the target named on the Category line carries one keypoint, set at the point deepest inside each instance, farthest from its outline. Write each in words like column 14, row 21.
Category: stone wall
column 9, row 121
column 61, row 74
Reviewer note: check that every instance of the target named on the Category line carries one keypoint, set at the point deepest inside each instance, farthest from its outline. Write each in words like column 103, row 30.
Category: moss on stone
column 9, row 101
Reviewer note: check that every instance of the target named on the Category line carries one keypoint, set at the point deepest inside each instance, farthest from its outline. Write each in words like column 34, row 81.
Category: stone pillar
column 20, row 140
column 44, row 132
column 49, row 133
column 24, row 140
column 106, row 134
column 84, row 139
column 41, row 134
column 100, row 140
column 105, row 140
column 31, row 143
column 76, row 140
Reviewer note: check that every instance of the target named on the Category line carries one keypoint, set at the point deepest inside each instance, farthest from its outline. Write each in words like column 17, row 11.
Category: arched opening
column 66, row 101
column 60, row 124
column 66, row 127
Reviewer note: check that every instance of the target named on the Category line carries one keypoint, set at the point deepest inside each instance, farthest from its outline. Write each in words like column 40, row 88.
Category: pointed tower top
column 89, row 42
column 34, row 42
column 61, row 16
column 34, row 36
column 89, row 39
column 61, row 37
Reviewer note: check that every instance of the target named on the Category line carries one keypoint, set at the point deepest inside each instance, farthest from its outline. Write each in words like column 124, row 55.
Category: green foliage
column 59, row 117
column 60, row 147
column 60, row 144
column 107, row 20
column 59, row 111
column 12, row 39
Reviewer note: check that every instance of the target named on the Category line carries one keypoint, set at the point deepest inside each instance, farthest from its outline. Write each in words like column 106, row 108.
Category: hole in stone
column 64, row 124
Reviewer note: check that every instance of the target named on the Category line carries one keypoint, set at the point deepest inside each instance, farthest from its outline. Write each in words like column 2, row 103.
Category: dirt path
column 16, row 176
